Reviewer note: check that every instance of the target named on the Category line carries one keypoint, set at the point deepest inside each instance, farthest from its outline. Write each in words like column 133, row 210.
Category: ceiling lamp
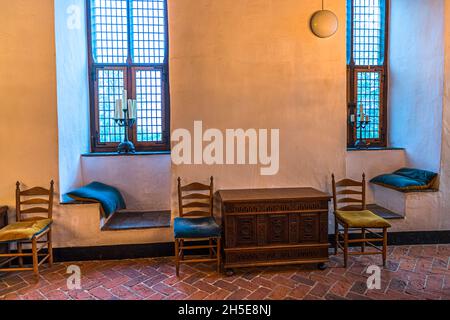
column 324, row 23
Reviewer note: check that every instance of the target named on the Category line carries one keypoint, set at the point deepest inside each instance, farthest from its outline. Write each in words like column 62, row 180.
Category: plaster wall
column 234, row 64
column 144, row 181
column 445, row 161
column 373, row 163
column 73, row 90
column 416, row 77
column 28, row 129
column 255, row 64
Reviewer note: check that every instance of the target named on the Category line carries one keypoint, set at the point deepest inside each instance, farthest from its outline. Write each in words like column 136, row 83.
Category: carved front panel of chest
column 278, row 229
column 310, row 228
column 246, row 230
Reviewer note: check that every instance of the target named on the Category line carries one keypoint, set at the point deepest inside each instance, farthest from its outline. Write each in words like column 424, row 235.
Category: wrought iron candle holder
column 361, row 143
column 126, row 146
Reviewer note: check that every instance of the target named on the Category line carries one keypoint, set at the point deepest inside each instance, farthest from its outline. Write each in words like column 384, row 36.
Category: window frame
column 130, row 69
column 352, row 90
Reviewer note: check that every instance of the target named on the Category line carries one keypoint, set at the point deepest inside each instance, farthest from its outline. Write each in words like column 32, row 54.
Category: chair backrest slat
column 34, row 210
column 342, row 196
column 196, row 205
column 348, row 183
column 196, row 214
column 34, row 201
column 26, row 205
column 194, row 197
column 349, row 192
column 195, row 187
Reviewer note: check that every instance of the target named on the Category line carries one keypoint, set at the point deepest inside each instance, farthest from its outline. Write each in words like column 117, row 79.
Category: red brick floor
column 416, row 272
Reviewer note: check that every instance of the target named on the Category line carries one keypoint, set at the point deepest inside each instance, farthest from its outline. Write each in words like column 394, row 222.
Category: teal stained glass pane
column 109, row 29
column 149, row 105
column 110, row 88
column 148, row 31
column 368, row 96
column 369, row 24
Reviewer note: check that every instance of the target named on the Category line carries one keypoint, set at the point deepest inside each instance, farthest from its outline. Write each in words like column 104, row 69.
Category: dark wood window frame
column 352, row 90
column 129, row 69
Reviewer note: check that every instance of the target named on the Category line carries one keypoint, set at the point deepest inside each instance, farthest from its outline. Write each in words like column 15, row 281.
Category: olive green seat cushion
column 24, row 230
column 362, row 219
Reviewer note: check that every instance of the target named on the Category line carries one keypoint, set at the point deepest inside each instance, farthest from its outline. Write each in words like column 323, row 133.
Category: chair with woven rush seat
column 30, row 229
column 354, row 216
column 196, row 223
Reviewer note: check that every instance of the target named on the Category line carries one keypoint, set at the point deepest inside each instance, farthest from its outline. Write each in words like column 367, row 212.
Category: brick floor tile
column 198, row 295
column 320, row 289
column 260, row 294
column 398, row 285
column 226, row 286
column 239, row 294
column 242, row 283
column 331, row 296
column 341, row 288
column 164, row 289
column 303, row 280
column 300, row 291
column 279, row 292
column 102, row 294
column 185, row 288
column 359, row 287
column 203, row 286
column 220, row 294
column 287, row 282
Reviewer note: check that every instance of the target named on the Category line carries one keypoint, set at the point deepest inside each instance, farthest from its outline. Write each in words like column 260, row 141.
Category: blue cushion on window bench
column 109, row 197
column 407, row 180
column 196, row 228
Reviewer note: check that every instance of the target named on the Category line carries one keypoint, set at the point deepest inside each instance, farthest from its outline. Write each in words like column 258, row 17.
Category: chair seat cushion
column 407, row 180
column 362, row 219
column 24, row 230
column 196, row 228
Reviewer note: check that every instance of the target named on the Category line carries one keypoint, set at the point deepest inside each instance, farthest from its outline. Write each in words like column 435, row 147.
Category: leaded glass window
column 367, row 67
column 128, row 51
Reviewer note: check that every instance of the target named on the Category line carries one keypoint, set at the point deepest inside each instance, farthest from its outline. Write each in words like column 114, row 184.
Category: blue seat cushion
column 196, row 228
column 407, row 180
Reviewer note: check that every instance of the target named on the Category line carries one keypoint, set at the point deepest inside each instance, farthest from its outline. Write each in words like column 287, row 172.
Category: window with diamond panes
column 367, row 65
column 128, row 50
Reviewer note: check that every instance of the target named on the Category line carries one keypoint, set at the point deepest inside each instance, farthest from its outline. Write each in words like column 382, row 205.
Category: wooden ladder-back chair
column 354, row 216
column 196, row 223
column 34, row 208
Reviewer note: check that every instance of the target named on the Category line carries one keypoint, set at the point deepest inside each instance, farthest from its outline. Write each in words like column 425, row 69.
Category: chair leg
column 385, row 246
column 336, row 232
column 219, row 248
column 50, row 248
column 19, row 250
column 177, row 257
column 35, row 258
column 181, row 243
column 211, row 255
column 363, row 244
column 345, row 247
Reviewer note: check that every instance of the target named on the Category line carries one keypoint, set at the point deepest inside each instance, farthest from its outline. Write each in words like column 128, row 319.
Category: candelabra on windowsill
column 364, row 121
column 125, row 117
column 361, row 143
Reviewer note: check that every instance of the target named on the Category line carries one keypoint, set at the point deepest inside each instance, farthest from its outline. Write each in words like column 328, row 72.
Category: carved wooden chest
column 274, row 226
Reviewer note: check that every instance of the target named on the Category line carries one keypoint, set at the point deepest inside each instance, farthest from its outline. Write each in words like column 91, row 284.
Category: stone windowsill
column 375, row 149
column 115, row 154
